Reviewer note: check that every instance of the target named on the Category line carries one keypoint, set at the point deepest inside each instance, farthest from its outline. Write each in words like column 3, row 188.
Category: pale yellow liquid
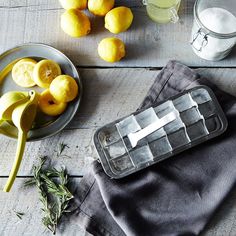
column 159, row 10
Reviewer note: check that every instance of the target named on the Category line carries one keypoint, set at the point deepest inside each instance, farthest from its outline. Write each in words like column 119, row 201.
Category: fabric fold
column 175, row 197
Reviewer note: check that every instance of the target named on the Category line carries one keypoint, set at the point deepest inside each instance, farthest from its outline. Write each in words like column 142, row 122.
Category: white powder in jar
column 219, row 21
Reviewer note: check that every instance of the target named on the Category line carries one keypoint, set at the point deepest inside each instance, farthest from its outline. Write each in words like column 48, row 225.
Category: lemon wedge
column 22, row 72
column 45, row 72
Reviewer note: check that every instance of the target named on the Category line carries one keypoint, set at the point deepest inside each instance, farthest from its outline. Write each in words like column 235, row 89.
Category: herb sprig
column 53, row 193
column 61, row 147
column 19, row 214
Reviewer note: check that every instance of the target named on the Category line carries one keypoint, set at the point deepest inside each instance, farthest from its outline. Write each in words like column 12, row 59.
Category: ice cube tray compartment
column 121, row 164
column 141, row 155
column 191, row 116
column 200, row 96
column 116, row 149
column 184, row 102
column 200, row 118
column 164, row 108
column 109, row 136
column 197, row 130
column 128, row 125
column 146, row 118
column 207, row 109
column 160, row 147
column 179, row 139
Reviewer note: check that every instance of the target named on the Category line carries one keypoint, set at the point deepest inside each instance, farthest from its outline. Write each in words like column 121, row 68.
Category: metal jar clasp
column 200, row 35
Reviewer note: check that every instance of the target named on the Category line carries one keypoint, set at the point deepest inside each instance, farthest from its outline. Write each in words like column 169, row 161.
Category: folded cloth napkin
column 174, row 197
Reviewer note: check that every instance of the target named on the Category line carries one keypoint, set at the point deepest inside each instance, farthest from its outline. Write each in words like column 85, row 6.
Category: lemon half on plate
column 22, row 72
column 44, row 126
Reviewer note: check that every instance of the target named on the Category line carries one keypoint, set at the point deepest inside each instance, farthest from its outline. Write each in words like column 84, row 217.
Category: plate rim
column 79, row 82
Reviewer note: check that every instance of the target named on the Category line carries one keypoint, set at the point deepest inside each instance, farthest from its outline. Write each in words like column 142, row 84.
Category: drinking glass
column 162, row 11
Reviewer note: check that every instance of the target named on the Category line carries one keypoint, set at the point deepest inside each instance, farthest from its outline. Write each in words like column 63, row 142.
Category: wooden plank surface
column 26, row 200
column 124, row 89
column 147, row 44
column 109, row 95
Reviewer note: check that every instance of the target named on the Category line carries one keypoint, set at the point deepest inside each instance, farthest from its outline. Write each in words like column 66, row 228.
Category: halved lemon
column 45, row 72
column 22, row 72
column 49, row 105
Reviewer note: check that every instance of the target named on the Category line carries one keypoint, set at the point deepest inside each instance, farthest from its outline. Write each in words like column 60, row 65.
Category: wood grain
column 113, row 93
column 147, row 44
column 109, row 94
column 26, row 200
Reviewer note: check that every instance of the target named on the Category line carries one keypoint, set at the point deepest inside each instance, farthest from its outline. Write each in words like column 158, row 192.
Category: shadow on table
column 91, row 82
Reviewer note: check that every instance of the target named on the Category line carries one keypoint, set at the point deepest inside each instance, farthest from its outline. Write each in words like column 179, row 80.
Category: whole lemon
column 75, row 23
column 100, row 7
column 111, row 49
column 64, row 88
column 74, row 4
column 118, row 19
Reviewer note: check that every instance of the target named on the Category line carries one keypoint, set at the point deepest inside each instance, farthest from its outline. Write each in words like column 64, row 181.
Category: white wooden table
column 110, row 91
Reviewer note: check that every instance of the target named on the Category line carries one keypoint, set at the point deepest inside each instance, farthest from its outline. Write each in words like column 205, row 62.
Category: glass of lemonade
column 162, row 11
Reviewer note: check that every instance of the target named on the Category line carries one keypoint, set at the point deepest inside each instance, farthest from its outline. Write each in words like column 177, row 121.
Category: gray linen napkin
column 174, row 197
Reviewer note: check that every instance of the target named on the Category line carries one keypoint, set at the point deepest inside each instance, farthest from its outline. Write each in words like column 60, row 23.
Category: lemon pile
column 59, row 89
column 76, row 23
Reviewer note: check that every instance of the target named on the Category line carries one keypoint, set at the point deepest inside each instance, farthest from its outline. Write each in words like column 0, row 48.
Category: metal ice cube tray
column 199, row 117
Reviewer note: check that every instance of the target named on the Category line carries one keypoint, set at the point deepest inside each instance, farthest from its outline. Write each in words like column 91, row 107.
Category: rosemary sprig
column 19, row 214
column 61, row 148
column 53, row 193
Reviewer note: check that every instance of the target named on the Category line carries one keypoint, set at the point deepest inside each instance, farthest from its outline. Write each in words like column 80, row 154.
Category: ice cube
column 184, row 102
column 156, row 135
column 127, row 126
column 121, row 164
column 191, row 116
column 200, row 95
column 174, row 125
column 197, row 130
column 164, row 108
column 116, row 149
column 207, row 109
column 213, row 124
column 179, row 138
column 109, row 135
column 160, row 147
column 146, row 118
column 141, row 155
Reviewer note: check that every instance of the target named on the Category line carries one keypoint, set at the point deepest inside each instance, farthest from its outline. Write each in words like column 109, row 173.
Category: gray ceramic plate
column 44, row 126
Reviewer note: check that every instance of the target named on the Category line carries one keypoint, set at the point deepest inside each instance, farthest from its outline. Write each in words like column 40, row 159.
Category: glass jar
column 162, row 11
column 214, row 28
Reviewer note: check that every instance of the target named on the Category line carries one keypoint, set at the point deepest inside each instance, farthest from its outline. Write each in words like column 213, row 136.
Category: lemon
column 45, row 72
column 100, row 7
column 74, row 4
column 111, row 49
column 75, row 23
column 22, row 72
column 64, row 88
column 49, row 105
column 118, row 19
